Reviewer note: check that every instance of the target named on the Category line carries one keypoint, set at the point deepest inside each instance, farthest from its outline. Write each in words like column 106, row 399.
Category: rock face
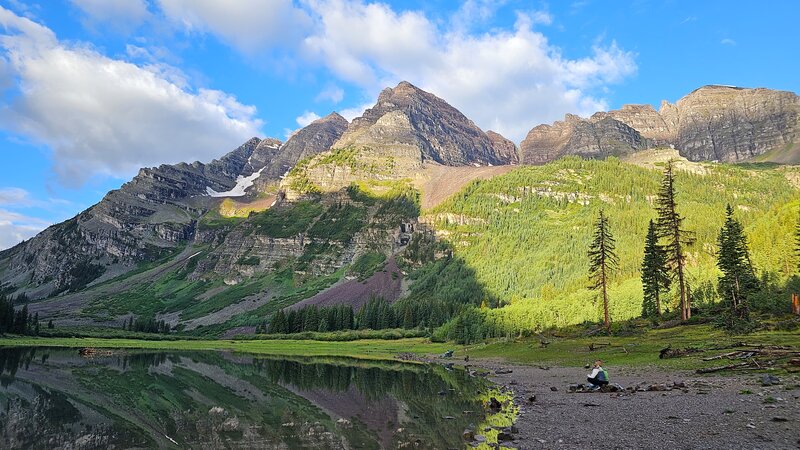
column 598, row 137
column 503, row 147
column 409, row 120
column 316, row 137
column 406, row 129
column 713, row 123
column 734, row 124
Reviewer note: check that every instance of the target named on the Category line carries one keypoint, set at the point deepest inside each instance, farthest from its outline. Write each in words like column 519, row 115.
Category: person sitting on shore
column 599, row 376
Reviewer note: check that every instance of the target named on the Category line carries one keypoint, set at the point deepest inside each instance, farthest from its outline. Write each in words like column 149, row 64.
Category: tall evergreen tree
column 279, row 323
column 797, row 241
column 655, row 276
column 602, row 261
column 669, row 227
column 738, row 278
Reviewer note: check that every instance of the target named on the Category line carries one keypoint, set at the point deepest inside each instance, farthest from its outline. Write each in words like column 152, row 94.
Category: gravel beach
column 709, row 412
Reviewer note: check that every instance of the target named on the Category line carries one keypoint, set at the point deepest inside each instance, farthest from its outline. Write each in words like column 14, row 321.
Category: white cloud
column 15, row 227
column 506, row 80
column 13, row 196
column 727, row 41
column 106, row 116
column 248, row 25
column 306, row 118
column 332, row 93
column 356, row 111
column 116, row 14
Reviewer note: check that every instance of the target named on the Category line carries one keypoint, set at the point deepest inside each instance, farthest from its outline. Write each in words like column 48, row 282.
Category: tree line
column 376, row 314
column 146, row 325
column 18, row 321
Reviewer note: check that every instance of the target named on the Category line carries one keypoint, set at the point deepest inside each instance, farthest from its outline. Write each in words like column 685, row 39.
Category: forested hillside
column 525, row 234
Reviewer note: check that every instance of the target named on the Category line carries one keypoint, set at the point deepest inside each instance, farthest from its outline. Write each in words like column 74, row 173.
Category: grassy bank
column 362, row 349
column 637, row 349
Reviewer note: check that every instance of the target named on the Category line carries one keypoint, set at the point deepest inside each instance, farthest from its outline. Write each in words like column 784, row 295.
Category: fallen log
column 728, row 367
column 725, row 355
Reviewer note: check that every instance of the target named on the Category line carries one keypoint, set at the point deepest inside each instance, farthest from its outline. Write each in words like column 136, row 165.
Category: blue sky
column 94, row 89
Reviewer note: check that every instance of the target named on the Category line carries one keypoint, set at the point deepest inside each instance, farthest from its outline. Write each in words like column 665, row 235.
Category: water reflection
column 55, row 398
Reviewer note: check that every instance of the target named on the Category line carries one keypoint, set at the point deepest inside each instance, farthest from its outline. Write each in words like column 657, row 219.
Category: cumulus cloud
column 248, row 25
column 306, row 118
column 727, row 41
column 506, row 80
column 106, row 116
column 118, row 14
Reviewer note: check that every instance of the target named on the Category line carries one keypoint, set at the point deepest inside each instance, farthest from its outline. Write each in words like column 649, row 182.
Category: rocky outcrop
column 314, row 138
column 598, row 137
column 408, row 119
column 713, row 123
column 733, row 124
column 503, row 147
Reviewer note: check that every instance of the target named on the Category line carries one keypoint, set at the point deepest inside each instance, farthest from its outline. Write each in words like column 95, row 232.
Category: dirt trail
column 710, row 413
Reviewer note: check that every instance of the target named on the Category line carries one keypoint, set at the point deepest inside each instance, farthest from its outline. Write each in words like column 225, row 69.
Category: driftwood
column 728, row 367
column 756, row 357
column 745, row 354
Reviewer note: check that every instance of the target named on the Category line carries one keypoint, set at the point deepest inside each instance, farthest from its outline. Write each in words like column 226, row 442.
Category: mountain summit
column 406, row 117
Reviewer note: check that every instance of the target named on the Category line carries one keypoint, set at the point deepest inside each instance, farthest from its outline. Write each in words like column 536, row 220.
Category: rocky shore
column 657, row 409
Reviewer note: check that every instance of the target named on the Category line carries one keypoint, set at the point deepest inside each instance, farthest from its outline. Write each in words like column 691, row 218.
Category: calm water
column 56, row 398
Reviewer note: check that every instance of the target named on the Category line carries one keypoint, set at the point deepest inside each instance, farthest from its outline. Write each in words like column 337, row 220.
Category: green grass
column 287, row 221
column 339, row 223
column 366, row 264
column 362, row 349
column 640, row 348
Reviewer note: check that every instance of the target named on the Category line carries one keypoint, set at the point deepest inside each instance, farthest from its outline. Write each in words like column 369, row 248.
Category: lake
column 58, row 397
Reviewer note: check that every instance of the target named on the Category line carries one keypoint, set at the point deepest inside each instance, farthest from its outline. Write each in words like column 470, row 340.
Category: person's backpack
column 604, row 375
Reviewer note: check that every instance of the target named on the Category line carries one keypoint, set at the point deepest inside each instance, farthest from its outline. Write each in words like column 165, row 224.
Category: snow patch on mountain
column 242, row 184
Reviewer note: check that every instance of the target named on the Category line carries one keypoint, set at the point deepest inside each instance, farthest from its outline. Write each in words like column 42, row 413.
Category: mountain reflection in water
column 55, row 398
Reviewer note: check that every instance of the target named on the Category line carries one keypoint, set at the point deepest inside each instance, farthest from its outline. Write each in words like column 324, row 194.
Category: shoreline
column 707, row 411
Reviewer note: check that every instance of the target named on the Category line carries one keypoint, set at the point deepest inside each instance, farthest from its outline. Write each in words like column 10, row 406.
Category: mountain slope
column 152, row 214
column 525, row 234
column 712, row 123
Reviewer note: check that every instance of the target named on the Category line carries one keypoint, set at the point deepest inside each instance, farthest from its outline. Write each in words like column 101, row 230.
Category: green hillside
column 525, row 234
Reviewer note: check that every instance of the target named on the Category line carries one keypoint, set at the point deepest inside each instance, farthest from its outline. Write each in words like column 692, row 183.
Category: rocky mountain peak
column 429, row 126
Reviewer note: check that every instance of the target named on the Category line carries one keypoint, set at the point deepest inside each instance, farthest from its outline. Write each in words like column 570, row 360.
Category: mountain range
column 210, row 242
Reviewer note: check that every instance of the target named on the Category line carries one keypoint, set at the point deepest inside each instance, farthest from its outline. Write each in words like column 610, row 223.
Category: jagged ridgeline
column 411, row 214
column 526, row 233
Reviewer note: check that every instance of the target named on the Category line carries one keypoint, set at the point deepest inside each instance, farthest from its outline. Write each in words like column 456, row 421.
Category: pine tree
column 669, row 226
column 655, row 277
column 738, row 278
column 602, row 261
column 279, row 324
column 797, row 241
